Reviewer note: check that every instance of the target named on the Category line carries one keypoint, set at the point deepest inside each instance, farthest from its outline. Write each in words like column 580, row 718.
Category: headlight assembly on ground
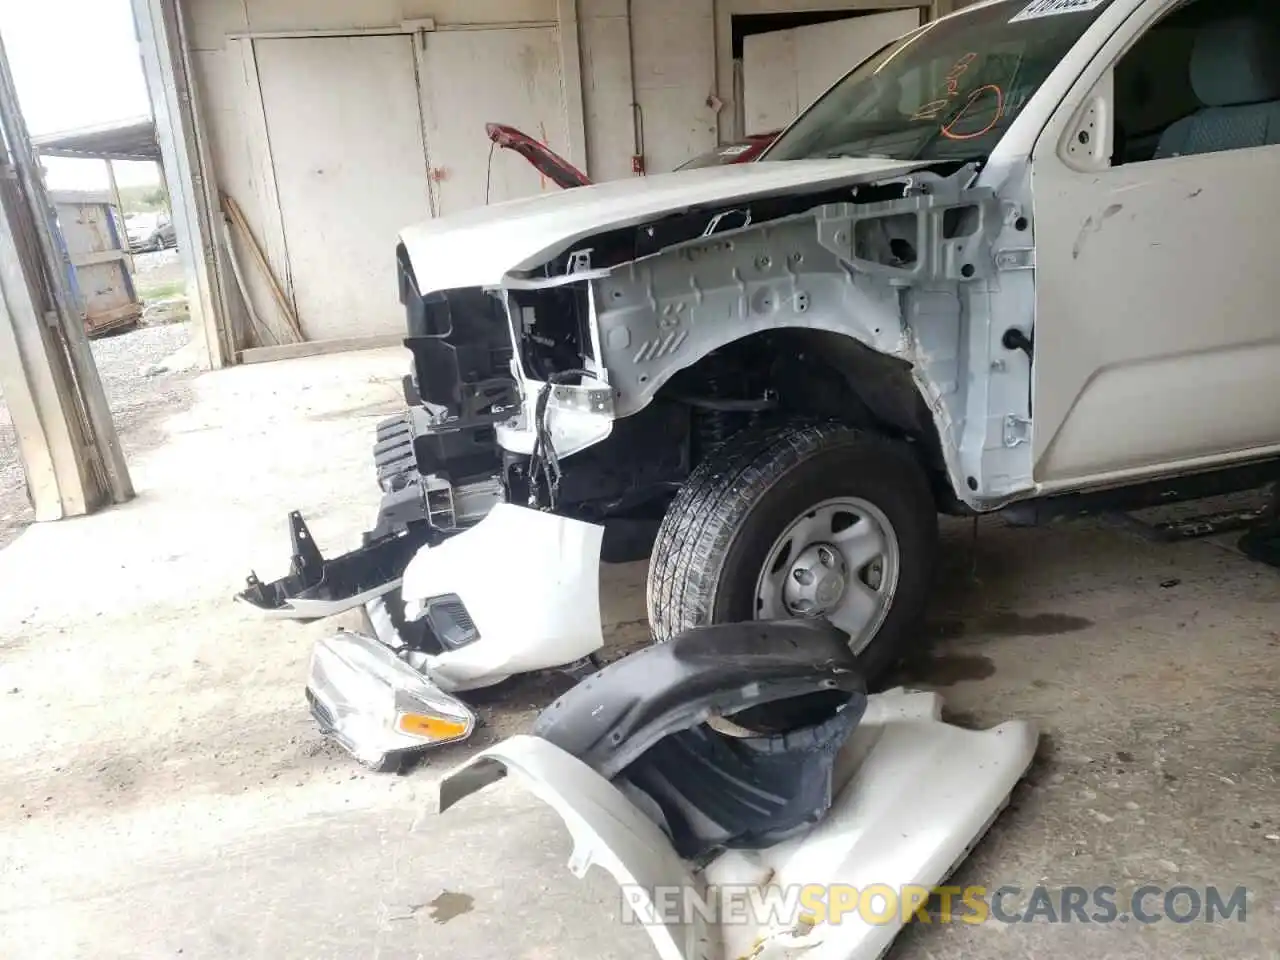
column 377, row 706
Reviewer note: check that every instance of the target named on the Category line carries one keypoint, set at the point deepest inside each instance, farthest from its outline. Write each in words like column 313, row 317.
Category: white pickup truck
column 1015, row 261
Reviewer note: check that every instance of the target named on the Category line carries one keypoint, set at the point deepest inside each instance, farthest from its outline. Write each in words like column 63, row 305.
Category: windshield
column 947, row 91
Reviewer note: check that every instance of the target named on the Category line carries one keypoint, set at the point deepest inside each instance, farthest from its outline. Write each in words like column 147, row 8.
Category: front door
column 1157, row 225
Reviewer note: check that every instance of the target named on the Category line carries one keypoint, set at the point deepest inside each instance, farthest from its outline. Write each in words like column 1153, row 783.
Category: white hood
column 480, row 247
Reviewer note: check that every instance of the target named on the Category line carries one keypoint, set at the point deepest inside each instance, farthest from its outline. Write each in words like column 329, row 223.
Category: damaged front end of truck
column 860, row 299
column 585, row 387
column 590, row 383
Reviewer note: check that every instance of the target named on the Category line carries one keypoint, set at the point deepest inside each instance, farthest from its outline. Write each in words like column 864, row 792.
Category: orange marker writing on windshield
column 933, row 109
column 948, row 129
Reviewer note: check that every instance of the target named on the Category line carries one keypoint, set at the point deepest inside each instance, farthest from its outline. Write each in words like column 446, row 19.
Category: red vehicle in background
column 564, row 174
column 744, row 151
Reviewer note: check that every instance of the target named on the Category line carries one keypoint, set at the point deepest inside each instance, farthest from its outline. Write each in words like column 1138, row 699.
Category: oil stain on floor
column 449, row 906
column 947, row 669
column 1008, row 624
column 1005, row 623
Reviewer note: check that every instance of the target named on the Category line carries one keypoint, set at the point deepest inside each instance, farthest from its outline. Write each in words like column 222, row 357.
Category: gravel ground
column 162, row 266
column 139, row 398
column 159, row 281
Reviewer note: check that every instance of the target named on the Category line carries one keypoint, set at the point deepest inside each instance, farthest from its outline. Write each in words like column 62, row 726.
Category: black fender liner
column 791, row 694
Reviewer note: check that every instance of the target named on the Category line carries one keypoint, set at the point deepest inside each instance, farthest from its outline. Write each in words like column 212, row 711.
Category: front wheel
column 801, row 521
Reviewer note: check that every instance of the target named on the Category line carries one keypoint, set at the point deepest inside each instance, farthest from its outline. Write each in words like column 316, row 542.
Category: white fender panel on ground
column 914, row 796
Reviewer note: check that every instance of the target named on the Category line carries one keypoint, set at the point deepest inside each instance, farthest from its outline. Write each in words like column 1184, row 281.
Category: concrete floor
column 163, row 792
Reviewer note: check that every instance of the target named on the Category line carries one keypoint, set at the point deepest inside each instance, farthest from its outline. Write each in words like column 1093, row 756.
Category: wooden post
column 124, row 230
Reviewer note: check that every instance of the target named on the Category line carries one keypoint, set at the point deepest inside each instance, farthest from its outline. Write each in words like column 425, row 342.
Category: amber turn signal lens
column 430, row 728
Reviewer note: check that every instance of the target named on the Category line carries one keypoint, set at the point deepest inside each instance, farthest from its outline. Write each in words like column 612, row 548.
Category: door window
column 1204, row 79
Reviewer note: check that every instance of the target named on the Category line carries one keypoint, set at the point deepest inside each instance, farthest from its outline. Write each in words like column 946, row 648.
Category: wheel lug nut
column 804, row 577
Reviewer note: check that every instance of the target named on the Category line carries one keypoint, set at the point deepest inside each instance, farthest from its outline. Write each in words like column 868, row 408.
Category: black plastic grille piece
column 451, row 623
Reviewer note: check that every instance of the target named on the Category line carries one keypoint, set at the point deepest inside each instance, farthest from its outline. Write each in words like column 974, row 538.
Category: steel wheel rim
column 838, row 561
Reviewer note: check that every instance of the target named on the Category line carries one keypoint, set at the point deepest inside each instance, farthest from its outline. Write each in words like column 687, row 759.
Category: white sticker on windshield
column 1051, row 8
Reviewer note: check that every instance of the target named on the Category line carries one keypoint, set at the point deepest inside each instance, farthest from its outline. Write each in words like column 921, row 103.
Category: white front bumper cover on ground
column 914, row 795
column 530, row 583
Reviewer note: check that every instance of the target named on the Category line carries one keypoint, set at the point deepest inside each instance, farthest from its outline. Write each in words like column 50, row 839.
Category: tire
column 726, row 523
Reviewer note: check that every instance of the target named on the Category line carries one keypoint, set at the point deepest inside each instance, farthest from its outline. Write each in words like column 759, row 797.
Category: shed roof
column 121, row 140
